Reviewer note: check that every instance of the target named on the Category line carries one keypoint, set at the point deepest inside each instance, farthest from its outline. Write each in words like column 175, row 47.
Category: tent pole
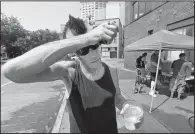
column 159, row 56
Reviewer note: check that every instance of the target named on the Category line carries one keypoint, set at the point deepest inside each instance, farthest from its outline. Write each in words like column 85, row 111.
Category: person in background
column 141, row 63
column 176, row 66
column 153, row 69
column 180, row 81
column 93, row 85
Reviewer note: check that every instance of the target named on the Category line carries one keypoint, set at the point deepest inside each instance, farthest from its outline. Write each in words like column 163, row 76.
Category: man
column 93, row 86
column 152, row 69
column 176, row 66
column 141, row 61
column 140, row 65
column 180, row 81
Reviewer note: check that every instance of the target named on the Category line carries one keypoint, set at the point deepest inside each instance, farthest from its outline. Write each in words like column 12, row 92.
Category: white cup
column 133, row 117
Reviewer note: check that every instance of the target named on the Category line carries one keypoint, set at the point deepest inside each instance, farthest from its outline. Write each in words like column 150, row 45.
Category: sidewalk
column 171, row 113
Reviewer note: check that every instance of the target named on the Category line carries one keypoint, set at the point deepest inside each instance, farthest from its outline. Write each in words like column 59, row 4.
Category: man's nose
column 93, row 53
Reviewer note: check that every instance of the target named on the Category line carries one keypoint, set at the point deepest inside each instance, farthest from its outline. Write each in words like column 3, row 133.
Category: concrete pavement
column 173, row 114
column 30, row 108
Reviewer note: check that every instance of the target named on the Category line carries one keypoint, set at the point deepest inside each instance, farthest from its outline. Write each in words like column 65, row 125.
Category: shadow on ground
column 175, row 123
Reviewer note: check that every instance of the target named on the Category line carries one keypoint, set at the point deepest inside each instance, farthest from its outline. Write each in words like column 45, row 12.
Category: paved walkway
column 171, row 113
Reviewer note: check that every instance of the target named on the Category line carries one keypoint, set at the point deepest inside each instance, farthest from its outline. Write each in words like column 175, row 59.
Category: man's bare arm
column 57, row 71
column 37, row 61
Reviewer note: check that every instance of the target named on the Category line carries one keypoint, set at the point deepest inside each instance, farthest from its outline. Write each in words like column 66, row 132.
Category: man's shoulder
column 112, row 69
column 113, row 73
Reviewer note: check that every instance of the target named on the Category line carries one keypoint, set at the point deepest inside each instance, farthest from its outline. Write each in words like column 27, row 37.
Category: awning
column 162, row 39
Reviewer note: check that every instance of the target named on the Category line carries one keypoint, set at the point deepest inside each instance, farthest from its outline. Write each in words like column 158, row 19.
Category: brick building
column 145, row 18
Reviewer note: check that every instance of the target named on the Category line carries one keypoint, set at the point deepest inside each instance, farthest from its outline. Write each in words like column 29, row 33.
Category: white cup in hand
column 133, row 116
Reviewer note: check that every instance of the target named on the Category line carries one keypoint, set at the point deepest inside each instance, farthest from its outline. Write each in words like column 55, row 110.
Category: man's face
column 93, row 58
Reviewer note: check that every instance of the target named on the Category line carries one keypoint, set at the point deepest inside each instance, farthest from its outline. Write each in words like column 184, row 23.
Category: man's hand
column 134, row 116
column 124, row 108
column 104, row 32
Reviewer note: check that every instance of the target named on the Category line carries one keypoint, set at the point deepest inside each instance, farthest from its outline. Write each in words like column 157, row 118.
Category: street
column 29, row 107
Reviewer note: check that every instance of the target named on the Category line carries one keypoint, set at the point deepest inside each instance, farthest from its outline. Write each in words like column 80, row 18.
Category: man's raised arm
column 41, row 58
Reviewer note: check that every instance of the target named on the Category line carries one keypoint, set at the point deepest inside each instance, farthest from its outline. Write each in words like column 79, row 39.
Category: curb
column 57, row 125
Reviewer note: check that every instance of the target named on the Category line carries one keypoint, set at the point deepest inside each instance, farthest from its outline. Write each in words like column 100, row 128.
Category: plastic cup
column 133, row 117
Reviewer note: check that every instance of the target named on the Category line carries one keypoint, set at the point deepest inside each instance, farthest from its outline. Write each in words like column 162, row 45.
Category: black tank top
column 96, row 119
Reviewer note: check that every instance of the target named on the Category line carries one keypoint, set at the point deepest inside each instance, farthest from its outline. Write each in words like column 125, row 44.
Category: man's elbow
column 8, row 72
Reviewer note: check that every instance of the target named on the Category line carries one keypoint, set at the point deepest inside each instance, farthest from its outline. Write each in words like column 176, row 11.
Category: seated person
column 180, row 82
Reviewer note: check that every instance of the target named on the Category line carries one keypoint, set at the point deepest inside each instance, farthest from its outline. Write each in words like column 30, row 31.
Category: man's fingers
column 107, row 37
column 112, row 27
column 109, row 32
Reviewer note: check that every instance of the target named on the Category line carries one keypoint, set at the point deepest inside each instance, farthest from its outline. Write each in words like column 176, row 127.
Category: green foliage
column 13, row 35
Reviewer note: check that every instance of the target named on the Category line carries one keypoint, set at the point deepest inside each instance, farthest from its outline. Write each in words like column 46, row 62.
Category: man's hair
column 144, row 54
column 76, row 25
column 182, row 55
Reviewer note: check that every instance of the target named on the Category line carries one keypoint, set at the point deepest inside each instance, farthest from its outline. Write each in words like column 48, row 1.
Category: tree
column 17, row 40
column 11, row 30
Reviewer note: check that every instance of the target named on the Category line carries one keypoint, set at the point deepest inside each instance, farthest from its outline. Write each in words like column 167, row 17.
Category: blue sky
column 41, row 15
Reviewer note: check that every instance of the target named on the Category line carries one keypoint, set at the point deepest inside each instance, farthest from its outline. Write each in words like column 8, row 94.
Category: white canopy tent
column 162, row 40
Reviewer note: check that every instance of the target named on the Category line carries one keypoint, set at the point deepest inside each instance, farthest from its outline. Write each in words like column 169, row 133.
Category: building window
column 189, row 31
column 104, row 49
column 142, row 8
column 135, row 10
column 106, row 54
column 148, row 6
column 156, row 4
